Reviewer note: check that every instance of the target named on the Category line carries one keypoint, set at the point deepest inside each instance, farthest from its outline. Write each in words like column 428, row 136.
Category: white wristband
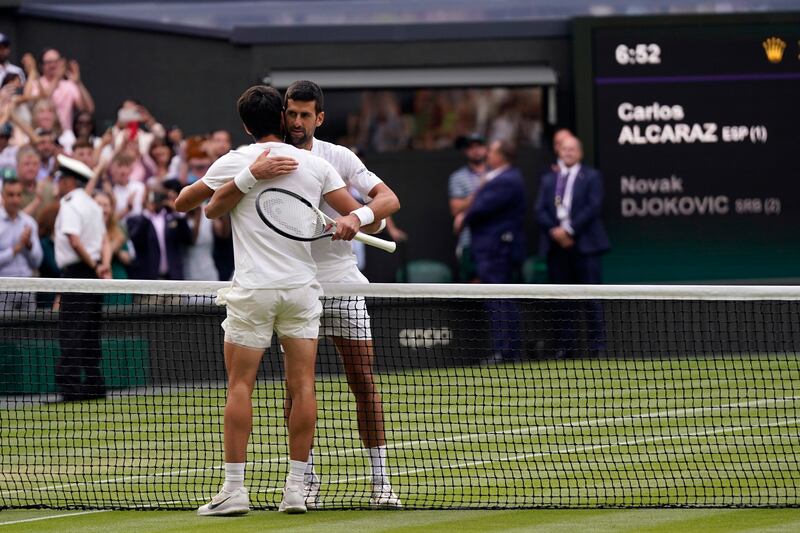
column 245, row 180
column 364, row 214
column 383, row 225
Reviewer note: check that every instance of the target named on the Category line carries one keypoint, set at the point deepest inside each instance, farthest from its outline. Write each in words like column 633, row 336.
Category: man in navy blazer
column 159, row 226
column 496, row 218
column 572, row 237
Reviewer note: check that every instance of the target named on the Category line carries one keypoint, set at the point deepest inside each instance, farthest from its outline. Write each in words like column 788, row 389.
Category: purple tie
column 561, row 186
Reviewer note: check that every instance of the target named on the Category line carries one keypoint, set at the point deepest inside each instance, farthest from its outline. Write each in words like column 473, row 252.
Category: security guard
column 82, row 251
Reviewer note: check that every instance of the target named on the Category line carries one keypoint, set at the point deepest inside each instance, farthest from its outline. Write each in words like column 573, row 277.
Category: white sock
column 310, row 475
column 377, row 459
column 234, row 477
column 296, row 471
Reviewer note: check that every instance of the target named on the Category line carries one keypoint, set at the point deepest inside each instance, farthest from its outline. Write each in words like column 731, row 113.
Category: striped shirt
column 463, row 182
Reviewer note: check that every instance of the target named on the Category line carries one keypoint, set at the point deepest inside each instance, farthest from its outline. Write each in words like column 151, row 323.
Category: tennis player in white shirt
column 274, row 289
column 345, row 322
column 348, row 325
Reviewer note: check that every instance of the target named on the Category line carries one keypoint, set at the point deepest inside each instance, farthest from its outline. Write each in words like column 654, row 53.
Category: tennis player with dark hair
column 345, row 322
column 274, row 289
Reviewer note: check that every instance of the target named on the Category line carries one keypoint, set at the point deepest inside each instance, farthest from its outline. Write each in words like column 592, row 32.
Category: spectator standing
column 35, row 195
column 461, row 186
column 171, row 230
column 46, row 147
column 20, row 250
column 82, row 251
column 47, row 225
column 219, row 144
column 61, row 82
column 496, row 219
column 84, row 128
column 6, row 67
column 8, row 152
column 572, row 236
column 160, row 162
column 117, row 236
column 199, row 256
column 129, row 195
column 45, row 119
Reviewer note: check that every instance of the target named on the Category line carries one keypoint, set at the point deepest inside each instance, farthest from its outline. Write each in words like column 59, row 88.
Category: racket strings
column 291, row 215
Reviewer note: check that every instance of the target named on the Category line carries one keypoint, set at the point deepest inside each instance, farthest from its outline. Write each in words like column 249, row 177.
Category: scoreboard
column 695, row 124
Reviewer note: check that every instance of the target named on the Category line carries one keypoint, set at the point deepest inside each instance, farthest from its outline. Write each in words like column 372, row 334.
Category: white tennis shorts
column 253, row 314
column 346, row 317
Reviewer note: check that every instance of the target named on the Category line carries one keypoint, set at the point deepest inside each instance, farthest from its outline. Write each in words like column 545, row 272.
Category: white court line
column 574, row 449
column 53, row 516
column 415, row 443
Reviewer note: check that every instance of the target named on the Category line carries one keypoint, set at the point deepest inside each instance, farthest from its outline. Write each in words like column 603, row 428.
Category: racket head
column 291, row 216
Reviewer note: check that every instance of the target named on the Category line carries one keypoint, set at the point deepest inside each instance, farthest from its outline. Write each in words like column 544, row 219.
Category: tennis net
column 493, row 396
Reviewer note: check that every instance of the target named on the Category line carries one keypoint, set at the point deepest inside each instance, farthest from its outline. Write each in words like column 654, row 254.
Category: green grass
column 600, row 433
column 566, row 521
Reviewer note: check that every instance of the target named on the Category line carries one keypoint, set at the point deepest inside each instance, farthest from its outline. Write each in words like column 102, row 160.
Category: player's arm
column 384, row 201
column 349, row 223
column 193, row 196
column 225, row 198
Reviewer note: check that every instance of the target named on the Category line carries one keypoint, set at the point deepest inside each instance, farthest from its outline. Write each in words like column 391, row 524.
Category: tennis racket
column 294, row 217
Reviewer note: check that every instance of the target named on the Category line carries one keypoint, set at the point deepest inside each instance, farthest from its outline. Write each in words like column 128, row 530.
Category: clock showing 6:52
column 638, row 54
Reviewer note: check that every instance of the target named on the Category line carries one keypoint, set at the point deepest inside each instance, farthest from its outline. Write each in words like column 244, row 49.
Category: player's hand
column 267, row 168
column 346, row 228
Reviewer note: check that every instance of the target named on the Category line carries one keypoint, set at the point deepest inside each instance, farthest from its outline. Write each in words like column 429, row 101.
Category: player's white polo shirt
column 335, row 259
column 274, row 285
column 262, row 258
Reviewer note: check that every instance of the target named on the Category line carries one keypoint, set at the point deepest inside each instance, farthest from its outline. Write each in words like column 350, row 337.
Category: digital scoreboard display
column 695, row 125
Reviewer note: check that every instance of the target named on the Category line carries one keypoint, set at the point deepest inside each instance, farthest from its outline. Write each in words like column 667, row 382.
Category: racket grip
column 369, row 240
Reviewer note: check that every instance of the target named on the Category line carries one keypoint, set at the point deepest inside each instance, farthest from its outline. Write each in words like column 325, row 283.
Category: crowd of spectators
column 433, row 119
column 139, row 168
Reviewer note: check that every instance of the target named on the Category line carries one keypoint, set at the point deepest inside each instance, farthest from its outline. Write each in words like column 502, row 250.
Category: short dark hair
column 261, row 110
column 306, row 91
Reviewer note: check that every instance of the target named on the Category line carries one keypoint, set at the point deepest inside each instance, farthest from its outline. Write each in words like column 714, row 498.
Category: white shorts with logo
column 346, row 317
column 253, row 314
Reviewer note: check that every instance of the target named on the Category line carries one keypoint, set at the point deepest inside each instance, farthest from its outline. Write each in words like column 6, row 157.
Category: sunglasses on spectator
column 199, row 166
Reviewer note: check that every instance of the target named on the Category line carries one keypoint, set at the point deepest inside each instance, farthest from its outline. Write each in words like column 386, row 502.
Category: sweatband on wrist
column 245, row 180
column 364, row 214
column 383, row 225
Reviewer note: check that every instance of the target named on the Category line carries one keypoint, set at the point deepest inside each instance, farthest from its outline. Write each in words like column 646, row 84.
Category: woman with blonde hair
column 120, row 252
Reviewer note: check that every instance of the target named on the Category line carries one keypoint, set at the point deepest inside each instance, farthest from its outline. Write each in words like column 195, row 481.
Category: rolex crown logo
column 774, row 47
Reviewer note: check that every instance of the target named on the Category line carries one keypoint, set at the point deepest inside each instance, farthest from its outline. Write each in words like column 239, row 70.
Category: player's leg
column 245, row 342
column 358, row 358
column 297, row 324
column 241, row 365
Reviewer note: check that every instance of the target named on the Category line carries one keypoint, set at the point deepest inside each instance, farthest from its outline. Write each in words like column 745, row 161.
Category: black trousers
column 571, row 267
column 78, row 372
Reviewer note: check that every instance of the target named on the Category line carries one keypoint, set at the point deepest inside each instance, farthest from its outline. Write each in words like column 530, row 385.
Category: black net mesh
column 116, row 401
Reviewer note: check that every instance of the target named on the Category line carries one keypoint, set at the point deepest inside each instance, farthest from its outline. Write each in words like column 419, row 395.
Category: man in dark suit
column 572, row 238
column 159, row 236
column 496, row 218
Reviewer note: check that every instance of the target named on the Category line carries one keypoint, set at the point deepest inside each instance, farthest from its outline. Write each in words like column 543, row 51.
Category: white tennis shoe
column 294, row 498
column 313, row 500
column 383, row 497
column 227, row 503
